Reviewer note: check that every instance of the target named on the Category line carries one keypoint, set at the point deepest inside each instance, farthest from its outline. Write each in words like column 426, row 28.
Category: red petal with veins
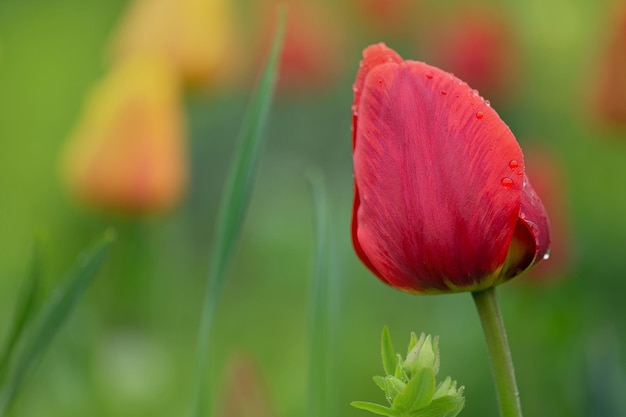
column 438, row 180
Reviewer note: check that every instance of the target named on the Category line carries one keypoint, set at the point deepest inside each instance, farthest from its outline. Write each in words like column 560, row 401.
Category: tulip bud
column 127, row 153
column 441, row 198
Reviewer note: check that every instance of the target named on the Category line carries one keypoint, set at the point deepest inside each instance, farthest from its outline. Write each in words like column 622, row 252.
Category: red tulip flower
column 442, row 202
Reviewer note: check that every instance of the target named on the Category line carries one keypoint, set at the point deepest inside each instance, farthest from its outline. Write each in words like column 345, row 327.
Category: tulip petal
column 438, row 178
column 533, row 215
column 531, row 240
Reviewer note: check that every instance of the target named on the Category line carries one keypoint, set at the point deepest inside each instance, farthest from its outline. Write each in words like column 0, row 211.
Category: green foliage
column 24, row 310
column 321, row 353
column 233, row 206
column 33, row 331
column 410, row 384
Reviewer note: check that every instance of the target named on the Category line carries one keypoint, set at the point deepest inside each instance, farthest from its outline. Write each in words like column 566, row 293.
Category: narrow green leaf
column 319, row 313
column 380, row 381
column 412, row 343
column 441, row 407
column 375, row 408
column 24, row 309
column 399, row 372
column 388, row 353
column 394, row 386
column 42, row 329
column 418, row 393
column 232, row 209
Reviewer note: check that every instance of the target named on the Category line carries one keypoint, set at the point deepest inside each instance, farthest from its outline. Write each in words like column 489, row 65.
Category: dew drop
column 507, row 182
column 488, row 103
column 354, row 110
column 546, row 255
column 355, row 88
column 380, row 81
column 513, row 164
column 520, row 173
column 429, row 76
column 479, row 115
column 443, row 93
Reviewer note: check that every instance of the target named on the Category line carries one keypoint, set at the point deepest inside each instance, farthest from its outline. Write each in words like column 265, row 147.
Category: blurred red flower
column 610, row 87
column 441, row 201
column 312, row 57
column 386, row 17
column 479, row 47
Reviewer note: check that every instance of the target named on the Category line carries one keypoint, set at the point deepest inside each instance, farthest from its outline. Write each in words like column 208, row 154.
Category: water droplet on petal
column 507, row 182
column 513, row 164
column 380, row 81
column 443, row 93
column 429, row 76
column 479, row 115
column 354, row 110
column 546, row 255
column 488, row 103
column 355, row 88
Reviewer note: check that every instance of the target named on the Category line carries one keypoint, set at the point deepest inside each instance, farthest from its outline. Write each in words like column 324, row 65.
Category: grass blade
column 232, row 208
column 319, row 314
column 24, row 310
column 42, row 329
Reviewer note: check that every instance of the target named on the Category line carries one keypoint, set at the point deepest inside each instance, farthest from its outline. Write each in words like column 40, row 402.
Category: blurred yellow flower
column 128, row 152
column 196, row 36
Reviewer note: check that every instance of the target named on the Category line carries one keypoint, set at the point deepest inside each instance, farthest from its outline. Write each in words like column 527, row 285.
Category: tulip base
column 499, row 352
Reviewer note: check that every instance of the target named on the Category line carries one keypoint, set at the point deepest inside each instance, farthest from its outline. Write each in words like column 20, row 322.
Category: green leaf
column 394, row 387
column 42, row 329
column 399, row 372
column 388, row 353
column 322, row 296
column 380, row 381
column 441, row 407
column 232, row 209
column 412, row 343
column 460, row 403
column 24, row 309
column 418, row 393
column 375, row 408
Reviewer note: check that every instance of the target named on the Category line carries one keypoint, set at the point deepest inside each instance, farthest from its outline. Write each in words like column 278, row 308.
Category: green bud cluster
column 410, row 384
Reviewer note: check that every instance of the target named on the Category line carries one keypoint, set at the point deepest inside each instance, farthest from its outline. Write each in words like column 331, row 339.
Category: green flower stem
column 499, row 352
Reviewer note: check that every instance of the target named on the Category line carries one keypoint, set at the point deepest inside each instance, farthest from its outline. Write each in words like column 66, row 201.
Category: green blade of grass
column 232, row 209
column 319, row 320
column 42, row 329
column 24, row 310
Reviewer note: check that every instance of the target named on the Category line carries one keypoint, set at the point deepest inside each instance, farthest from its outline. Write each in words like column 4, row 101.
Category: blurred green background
column 128, row 350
